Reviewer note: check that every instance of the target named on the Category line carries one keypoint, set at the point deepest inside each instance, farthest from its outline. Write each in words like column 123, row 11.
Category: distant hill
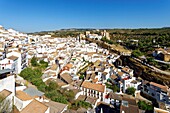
column 124, row 32
column 166, row 27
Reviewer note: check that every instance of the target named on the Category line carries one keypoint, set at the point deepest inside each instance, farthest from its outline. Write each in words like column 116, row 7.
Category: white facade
column 18, row 61
column 6, row 64
column 8, row 83
column 128, row 83
column 21, row 104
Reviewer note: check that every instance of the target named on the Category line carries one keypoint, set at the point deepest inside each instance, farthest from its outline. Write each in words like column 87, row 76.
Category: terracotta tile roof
column 120, row 73
column 5, row 93
column 113, row 76
column 164, row 88
column 131, row 106
column 91, row 53
column 66, row 77
column 93, row 76
column 97, row 87
column 129, row 109
column 104, row 73
column 125, row 69
column 55, row 107
column 53, row 67
column 60, row 82
column 81, row 97
column 35, row 107
column 115, row 96
column 69, row 65
column 131, row 100
column 91, row 100
column 23, row 96
column 12, row 57
column 95, row 80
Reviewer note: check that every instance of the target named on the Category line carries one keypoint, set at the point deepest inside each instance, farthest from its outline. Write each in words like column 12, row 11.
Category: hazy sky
column 38, row 15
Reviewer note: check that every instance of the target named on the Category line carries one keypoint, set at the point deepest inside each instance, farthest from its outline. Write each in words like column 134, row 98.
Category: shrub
column 34, row 61
column 137, row 53
column 145, row 106
column 130, row 91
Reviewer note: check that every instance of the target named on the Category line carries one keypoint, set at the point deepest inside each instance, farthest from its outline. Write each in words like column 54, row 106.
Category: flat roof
column 12, row 57
column 66, row 77
column 5, row 93
column 23, row 96
column 55, row 107
column 33, row 92
column 35, row 107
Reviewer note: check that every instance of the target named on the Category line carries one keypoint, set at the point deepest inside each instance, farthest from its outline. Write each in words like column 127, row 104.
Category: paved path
column 152, row 67
column 162, row 61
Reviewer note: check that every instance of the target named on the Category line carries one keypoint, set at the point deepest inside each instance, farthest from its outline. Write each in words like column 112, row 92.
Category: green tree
column 52, row 86
column 43, row 64
column 82, row 104
column 81, row 77
column 52, row 90
column 137, row 53
column 113, row 87
column 145, row 106
column 61, row 99
column 27, row 74
column 150, row 59
column 69, row 94
column 116, row 88
column 34, row 61
column 130, row 91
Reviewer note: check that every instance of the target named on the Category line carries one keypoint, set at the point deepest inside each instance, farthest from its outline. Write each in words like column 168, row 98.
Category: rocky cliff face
column 144, row 72
column 139, row 70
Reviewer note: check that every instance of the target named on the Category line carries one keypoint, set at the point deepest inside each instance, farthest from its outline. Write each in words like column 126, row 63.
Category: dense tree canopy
column 79, row 103
column 52, row 90
column 34, row 61
column 137, row 53
column 130, row 91
column 145, row 106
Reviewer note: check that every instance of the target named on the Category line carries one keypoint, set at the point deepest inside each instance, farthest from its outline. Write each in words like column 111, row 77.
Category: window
column 125, row 103
column 153, row 94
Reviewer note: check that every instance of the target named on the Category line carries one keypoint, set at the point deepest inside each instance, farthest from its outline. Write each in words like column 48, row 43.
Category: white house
column 7, row 86
column 7, row 81
column 16, row 55
column 6, row 64
column 94, row 90
column 21, row 100
column 157, row 91
column 131, row 82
